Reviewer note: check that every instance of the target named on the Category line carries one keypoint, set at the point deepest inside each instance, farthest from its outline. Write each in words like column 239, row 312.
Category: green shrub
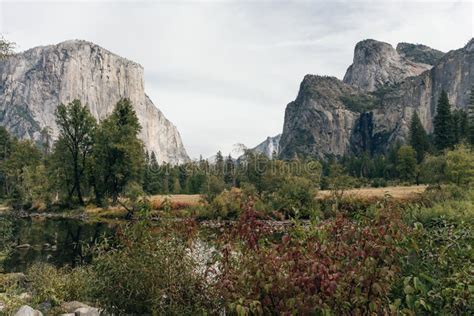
column 150, row 274
column 296, row 197
column 227, row 205
column 439, row 272
column 58, row 285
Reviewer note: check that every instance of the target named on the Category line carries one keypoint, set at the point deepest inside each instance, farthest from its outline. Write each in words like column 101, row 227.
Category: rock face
column 333, row 118
column 419, row 53
column 377, row 63
column 269, row 147
column 34, row 82
column 453, row 73
column 317, row 123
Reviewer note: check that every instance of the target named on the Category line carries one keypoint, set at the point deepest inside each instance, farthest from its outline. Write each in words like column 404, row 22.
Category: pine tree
column 418, row 137
column 460, row 125
column 471, row 117
column 443, row 123
column 219, row 164
column 118, row 153
column 229, row 171
column 406, row 163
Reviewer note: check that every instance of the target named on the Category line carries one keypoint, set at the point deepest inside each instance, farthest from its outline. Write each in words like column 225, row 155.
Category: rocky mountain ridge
column 33, row 83
column 269, row 147
column 377, row 63
column 372, row 107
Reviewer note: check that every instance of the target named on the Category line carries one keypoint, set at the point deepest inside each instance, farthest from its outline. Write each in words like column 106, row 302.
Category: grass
column 177, row 201
column 398, row 192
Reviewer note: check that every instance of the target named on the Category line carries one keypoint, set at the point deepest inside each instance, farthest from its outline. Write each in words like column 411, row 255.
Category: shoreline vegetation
column 170, row 205
column 382, row 255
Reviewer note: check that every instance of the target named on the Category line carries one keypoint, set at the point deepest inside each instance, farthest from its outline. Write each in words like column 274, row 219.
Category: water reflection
column 57, row 241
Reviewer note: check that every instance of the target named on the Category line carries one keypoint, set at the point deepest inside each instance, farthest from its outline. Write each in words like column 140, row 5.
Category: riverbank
column 175, row 205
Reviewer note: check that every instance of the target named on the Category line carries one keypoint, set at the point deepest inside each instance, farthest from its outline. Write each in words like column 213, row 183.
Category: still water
column 59, row 241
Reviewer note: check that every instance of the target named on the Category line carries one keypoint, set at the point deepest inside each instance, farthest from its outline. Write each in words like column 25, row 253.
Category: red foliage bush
column 340, row 265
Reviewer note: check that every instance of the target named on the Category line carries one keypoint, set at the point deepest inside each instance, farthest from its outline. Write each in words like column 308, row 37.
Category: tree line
column 98, row 162
column 411, row 161
column 89, row 159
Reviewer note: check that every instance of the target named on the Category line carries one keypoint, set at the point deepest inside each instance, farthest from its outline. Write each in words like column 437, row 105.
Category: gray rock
column 269, row 146
column 332, row 118
column 26, row 310
column 317, row 123
column 377, row 63
column 35, row 82
column 419, row 53
column 70, row 307
column 87, row 311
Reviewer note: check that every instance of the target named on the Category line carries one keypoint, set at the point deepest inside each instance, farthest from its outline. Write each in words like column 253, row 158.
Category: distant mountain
column 269, row 147
column 372, row 107
column 35, row 82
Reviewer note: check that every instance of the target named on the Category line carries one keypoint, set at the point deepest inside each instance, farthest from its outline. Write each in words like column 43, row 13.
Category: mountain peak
column 77, row 69
column 377, row 63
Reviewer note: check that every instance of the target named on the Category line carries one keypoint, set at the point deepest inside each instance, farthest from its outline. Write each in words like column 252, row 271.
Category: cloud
column 224, row 71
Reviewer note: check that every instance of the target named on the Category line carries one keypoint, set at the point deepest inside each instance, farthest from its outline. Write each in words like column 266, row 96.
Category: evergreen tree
column 418, row 137
column 460, row 125
column 229, row 171
column 406, row 163
column 155, row 175
column 118, row 153
column 471, row 117
column 443, row 123
column 76, row 128
column 219, row 164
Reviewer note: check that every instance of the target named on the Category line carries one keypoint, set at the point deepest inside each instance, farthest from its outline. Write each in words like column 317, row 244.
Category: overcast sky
column 224, row 71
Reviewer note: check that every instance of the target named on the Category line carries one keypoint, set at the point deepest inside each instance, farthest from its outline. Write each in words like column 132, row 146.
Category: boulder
column 70, row 307
column 87, row 311
column 26, row 310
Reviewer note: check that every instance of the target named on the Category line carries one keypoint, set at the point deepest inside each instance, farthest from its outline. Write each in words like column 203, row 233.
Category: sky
column 224, row 71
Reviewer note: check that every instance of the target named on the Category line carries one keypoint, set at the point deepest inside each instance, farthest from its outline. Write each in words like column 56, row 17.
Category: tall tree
column 418, row 137
column 23, row 160
column 460, row 125
column 443, row 123
column 471, row 117
column 219, row 164
column 229, row 171
column 76, row 129
column 406, row 163
column 118, row 153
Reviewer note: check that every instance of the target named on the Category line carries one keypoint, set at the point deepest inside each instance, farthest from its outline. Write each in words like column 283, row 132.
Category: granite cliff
column 372, row 107
column 33, row 83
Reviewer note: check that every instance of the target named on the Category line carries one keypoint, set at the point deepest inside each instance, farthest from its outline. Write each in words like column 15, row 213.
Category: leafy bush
column 58, row 285
column 295, row 197
column 150, row 274
column 439, row 273
column 227, row 204
column 339, row 267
